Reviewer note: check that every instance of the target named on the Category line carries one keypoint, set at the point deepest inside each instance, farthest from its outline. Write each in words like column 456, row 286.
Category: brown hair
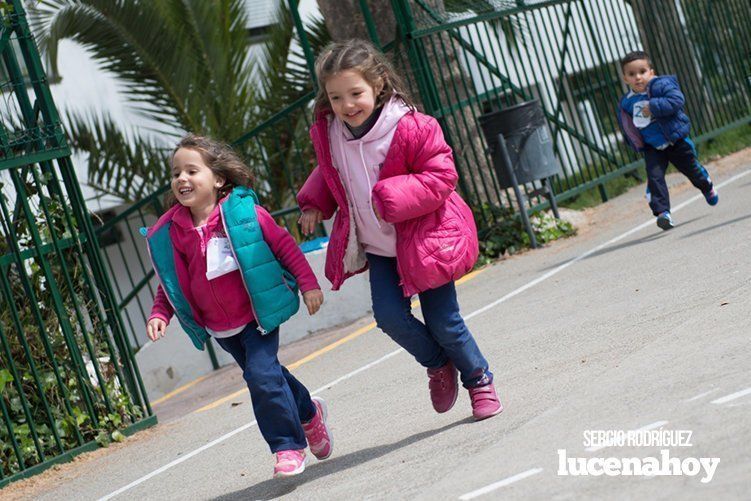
column 636, row 55
column 363, row 57
column 220, row 158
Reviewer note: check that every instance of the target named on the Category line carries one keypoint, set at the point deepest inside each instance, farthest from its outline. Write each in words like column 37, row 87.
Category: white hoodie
column 359, row 163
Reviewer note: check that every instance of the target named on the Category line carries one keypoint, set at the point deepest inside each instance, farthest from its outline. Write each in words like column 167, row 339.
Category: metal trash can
column 521, row 148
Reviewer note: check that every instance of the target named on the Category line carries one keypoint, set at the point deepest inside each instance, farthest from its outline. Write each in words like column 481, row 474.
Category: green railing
column 474, row 59
column 67, row 376
column 484, row 56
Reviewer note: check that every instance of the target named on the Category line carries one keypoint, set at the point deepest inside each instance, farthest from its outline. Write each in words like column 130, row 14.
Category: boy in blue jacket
column 653, row 122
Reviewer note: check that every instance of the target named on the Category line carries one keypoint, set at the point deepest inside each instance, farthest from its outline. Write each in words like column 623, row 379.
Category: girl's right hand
column 156, row 328
column 309, row 220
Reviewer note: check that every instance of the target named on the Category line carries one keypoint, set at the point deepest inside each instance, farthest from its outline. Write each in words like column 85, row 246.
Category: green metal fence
column 463, row 58
column 470, row 57
column 67, row 376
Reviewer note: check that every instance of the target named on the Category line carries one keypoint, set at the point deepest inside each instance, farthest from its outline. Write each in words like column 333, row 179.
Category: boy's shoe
column 485, row 402
column 443, row 387
column 289, row 463
column 319, row 437
column 664, row 221
column 712, row 197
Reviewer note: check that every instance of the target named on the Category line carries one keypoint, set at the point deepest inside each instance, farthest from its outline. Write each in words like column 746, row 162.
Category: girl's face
column 193, row 182
column 352, row 98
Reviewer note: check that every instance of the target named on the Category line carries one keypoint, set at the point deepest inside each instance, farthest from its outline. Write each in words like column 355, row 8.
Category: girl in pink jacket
column 388, row 174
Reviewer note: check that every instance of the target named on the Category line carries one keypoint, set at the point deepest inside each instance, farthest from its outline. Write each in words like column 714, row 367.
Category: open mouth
column 185, row 190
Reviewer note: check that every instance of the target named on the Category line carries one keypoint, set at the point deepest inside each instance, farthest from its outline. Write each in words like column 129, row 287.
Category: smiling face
column 352, row 98
column 194, row 184
column 637, row 74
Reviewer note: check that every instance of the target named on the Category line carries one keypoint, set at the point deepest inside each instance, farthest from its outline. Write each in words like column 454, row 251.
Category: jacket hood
column 393, row 110
column 662, row 79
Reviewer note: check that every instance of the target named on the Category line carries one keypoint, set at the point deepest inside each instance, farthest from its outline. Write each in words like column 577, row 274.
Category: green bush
column 508, row 236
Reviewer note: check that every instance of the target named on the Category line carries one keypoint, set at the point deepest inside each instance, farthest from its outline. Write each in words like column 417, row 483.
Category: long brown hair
column 363, row 57
column 221, row 159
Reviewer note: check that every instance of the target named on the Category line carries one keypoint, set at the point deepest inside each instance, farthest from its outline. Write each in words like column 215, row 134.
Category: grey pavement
column 650, row 328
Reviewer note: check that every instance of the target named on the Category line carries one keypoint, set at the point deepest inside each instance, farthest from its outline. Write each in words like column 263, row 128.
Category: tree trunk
column 345, row 20
column 665, row 40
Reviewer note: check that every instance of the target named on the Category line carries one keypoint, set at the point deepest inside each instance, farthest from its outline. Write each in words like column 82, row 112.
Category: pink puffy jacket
column 436, row 237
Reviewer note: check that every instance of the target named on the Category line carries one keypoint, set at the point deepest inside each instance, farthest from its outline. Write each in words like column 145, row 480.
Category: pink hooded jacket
column 222, row 303
column 436, row 236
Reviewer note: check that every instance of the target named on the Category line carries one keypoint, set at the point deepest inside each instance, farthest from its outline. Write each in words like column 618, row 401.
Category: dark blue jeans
column 681, row 154
column 444, row 336
column 280, row 402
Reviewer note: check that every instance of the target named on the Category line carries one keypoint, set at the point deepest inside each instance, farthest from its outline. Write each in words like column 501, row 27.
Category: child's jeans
column 280, row 401
column 442, row 337
column 681, row 154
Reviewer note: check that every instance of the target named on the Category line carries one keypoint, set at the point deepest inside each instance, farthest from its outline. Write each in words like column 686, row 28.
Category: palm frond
column 122, row 164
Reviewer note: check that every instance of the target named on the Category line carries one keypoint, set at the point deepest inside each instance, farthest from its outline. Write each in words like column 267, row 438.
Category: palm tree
column 185, row 65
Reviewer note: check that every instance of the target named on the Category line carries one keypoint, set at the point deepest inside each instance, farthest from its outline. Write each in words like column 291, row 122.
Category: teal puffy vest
column 272, row 289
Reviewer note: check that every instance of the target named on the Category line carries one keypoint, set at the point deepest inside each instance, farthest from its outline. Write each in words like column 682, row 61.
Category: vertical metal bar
column 309, row 57
column 519, row 197
column 370, row 24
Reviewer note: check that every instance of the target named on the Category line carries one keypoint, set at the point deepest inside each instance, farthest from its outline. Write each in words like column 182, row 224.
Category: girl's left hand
column 313, row 300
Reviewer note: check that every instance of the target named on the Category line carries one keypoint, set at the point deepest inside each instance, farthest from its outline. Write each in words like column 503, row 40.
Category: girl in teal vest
column 228, row 271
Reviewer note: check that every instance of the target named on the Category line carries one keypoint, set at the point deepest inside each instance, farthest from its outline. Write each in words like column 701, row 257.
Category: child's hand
column 156, row 328
column 645, row 110
column 309, row 220
column 313, row 300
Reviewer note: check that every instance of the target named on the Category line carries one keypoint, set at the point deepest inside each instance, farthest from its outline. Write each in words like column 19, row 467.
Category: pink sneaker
column 443, row 387
column 289, row 463
column 485, row 402
column 318, row 435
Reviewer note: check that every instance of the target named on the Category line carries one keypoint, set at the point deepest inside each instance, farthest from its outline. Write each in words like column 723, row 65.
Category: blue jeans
column 280, row 402
column 444, row 336
column 682, row 154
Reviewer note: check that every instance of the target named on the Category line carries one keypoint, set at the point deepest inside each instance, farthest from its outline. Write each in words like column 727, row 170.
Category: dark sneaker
column 443, row 387
column 664, row 221
column 712, row 197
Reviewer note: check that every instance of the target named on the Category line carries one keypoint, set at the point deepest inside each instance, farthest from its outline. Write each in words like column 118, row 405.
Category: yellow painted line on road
column 179, row 390
column 349, row 337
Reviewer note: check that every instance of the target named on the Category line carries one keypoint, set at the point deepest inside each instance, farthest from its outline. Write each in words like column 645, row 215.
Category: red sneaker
column 443, row 387
column 485, row 402
column 319, row 437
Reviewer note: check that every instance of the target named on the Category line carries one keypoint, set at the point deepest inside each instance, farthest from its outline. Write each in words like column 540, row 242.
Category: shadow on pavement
column 720, row 225
column 629, row 243
column 273, row 488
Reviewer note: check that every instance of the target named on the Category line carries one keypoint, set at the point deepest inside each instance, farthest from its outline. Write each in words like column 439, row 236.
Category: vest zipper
column 242, row 277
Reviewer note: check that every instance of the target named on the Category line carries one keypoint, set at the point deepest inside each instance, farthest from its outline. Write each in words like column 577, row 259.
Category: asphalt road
column 623, row 327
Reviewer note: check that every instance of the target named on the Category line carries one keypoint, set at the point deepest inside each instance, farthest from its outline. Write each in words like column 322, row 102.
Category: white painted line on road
column 651, row 426
column 732, row 396
column 700, row 395
column 235, row 432
column 500, row 483
column 620, row 237
column 177, row 461
column 467, row 317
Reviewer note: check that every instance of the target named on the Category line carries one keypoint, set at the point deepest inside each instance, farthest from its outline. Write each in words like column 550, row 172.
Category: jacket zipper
column 242, row 277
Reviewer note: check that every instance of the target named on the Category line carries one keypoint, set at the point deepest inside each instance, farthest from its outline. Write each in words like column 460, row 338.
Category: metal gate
column 68, row 380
